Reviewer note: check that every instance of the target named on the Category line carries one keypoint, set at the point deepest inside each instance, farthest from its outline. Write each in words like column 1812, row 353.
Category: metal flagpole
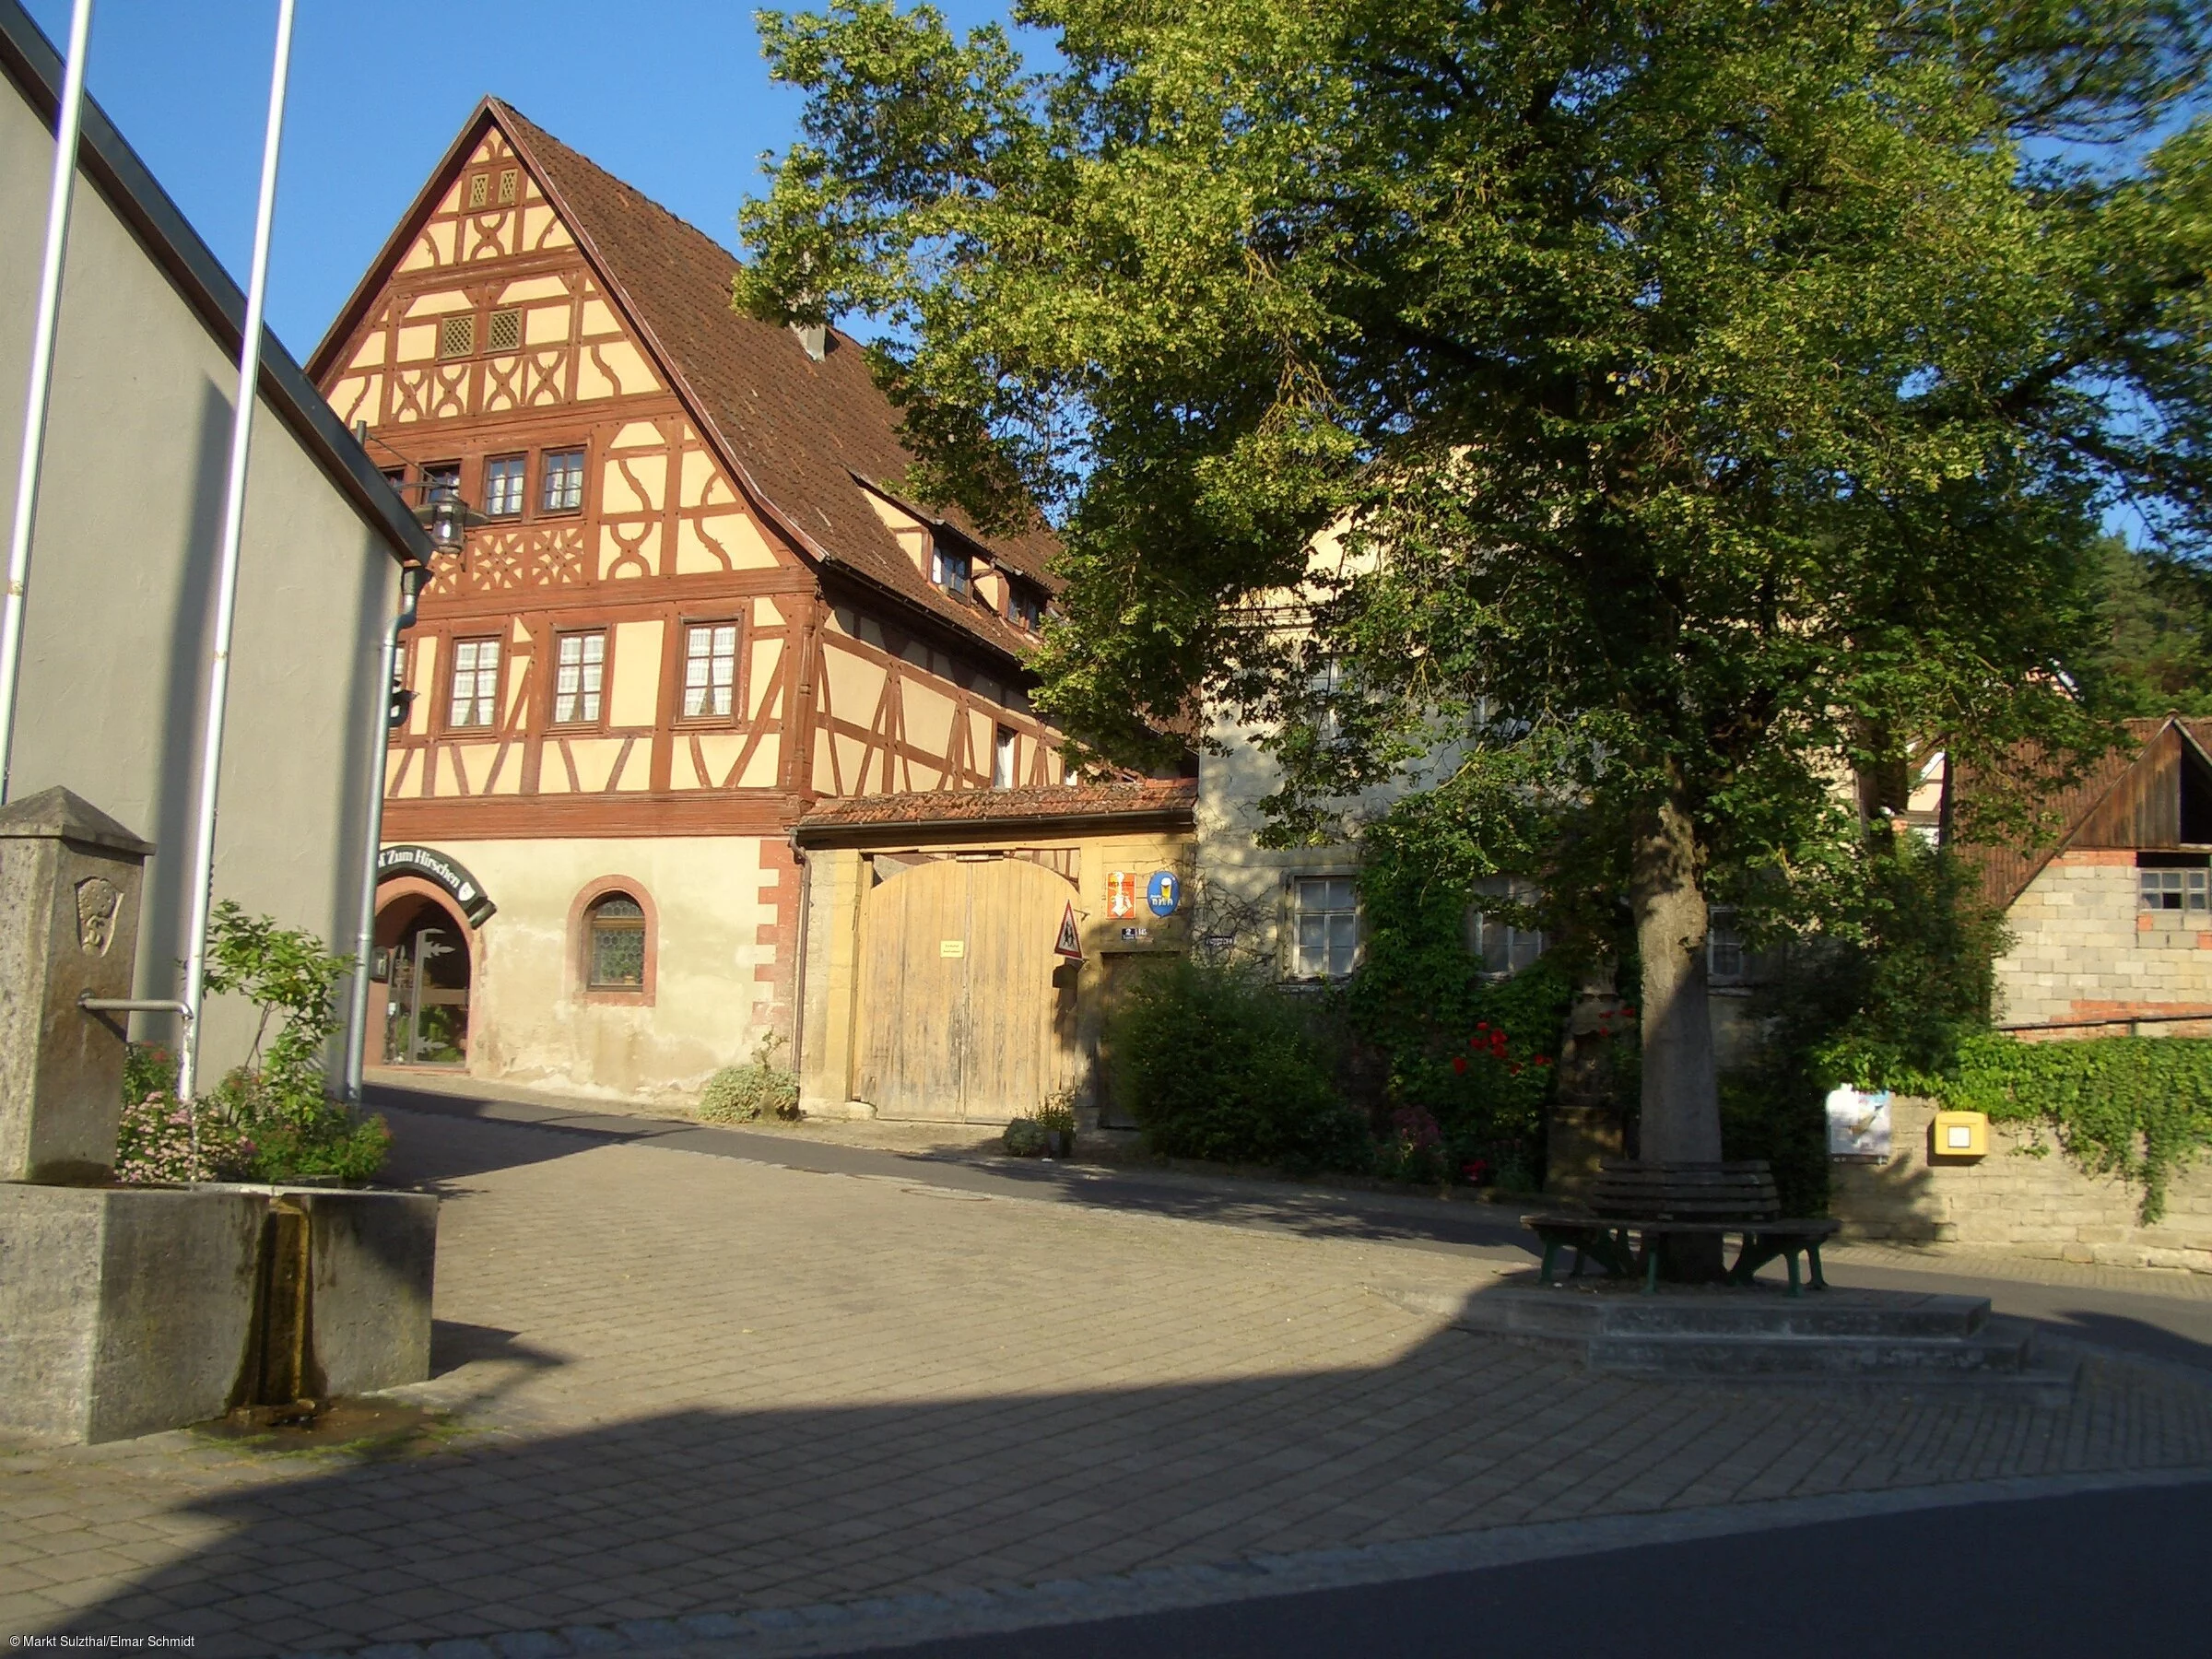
column 67, row 122
column 226, row 592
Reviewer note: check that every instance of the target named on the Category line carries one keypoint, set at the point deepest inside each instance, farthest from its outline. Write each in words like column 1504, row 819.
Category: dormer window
column 1024, row 609
column 951, row 571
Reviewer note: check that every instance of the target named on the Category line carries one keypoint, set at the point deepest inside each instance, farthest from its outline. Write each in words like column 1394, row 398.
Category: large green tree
column 1719, row 397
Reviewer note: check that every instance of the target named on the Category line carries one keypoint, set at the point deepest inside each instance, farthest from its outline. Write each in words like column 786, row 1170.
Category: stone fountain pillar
column 69, row 883
column 124, row 1311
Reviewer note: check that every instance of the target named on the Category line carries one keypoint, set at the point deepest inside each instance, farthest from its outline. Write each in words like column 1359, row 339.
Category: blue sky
column 670, row 95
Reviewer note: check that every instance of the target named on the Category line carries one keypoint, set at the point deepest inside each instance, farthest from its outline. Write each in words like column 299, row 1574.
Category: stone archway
column 422, row 1006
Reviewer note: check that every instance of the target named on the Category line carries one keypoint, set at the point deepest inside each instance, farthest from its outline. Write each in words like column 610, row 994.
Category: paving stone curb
column 879, row 1623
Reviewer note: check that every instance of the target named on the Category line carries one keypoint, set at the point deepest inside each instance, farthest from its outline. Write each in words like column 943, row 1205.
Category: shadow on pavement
column 2099, row 1573
column 708, row 1509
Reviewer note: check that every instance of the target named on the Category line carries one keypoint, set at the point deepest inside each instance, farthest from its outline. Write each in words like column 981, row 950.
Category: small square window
column 479, row 188
column 1328, row 926
column 442, row 481
column 503, row 487
column 950, row 572
column 709, row 670
column 457, row 335
column 1023, row 608
column 2173, row 890
column 476, row 683
column 510, row 178
column 506, row 331
column 579, row 674
column 564, row 480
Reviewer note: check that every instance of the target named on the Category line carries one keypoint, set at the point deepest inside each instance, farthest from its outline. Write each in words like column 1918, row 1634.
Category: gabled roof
column 30, row 63
column 796, row 432
column 2130, row 796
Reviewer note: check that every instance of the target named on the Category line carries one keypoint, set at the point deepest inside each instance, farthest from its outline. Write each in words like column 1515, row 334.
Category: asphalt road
column 2084, row 1575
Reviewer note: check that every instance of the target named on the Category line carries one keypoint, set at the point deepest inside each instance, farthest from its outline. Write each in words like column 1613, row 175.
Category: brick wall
column 2084, row 950
column 2012, row 1202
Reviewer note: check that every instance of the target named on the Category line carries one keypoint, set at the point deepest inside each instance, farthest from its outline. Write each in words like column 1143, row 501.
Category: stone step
column 1730, row 1314
column 1757, row 1336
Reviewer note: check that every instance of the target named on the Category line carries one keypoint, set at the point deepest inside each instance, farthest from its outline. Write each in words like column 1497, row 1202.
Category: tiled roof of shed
column 1039, row 803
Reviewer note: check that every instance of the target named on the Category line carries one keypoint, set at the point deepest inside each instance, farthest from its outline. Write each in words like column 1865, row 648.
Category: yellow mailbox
column 1960, row 1135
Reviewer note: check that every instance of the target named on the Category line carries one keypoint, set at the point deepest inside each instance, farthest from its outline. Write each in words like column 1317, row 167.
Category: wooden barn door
column 958, row 1008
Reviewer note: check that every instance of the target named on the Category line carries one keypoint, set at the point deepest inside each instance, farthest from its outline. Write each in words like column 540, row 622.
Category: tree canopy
column 1716, row 398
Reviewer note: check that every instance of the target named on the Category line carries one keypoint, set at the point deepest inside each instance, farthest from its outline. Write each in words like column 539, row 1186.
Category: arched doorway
column 425, row 951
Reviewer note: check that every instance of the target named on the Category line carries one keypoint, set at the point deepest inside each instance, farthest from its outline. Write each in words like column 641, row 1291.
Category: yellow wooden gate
column 962, row 1016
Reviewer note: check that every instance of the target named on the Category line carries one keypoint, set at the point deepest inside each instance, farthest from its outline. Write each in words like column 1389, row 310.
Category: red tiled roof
column 1039, row 804
column 798, row 431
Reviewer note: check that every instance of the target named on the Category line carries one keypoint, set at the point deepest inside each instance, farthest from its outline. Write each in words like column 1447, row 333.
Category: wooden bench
column 1655, row 1202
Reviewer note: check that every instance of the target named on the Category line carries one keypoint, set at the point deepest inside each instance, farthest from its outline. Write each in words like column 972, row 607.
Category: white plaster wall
column 530, row 1022
column 122, row 576
column 2083, row 948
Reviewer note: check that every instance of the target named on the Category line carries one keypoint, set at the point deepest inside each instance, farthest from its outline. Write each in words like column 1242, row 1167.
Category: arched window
column 614, row 944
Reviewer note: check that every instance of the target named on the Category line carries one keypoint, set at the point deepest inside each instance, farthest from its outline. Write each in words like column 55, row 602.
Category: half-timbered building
column 694, row 603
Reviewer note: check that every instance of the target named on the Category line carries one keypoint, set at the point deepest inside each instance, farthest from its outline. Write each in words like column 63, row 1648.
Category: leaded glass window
column 564, row 480
column 503, row 487
column 1328, row 927
column 709, row 670
column 578, row 676
column 476, row 683
column 616, row 946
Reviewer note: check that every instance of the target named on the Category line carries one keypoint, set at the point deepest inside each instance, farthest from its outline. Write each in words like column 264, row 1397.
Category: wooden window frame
column 491, row 322
column 582, row 452
column 521, row 499
column 580, row 944
column 451, row 653
column 598, row 723
column 739, row 653
column 1295, row 913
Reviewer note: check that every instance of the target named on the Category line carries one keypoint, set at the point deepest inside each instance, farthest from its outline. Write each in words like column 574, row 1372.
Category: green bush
column 742, row 1094
column 270, row 1119
column 2135, row 1107
column 1215, row 1063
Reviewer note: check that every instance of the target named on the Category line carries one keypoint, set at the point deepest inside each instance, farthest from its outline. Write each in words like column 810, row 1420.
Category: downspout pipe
column 201, row 883
column 67, row 124
column 411, row 578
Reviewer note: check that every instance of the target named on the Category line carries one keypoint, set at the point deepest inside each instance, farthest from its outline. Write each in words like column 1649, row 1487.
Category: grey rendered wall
column 121, row 588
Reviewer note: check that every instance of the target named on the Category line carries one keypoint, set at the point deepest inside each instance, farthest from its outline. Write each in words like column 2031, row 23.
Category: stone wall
column 2016, row 1203
column 2084, row 950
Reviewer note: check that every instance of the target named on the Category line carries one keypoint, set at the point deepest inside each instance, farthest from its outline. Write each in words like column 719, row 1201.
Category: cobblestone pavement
column 688, row 1385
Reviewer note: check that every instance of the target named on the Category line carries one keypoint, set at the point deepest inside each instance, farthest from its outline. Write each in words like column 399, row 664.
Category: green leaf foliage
column 1715, row 399
column 1477, row 1053
column 2135, row 1107
column 1215, row 1063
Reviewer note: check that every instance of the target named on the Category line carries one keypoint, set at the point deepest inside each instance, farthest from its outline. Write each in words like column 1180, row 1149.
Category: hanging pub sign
column 1163, row 892
column 1070, row 943
column 1121, row 895
column 1858, row 1124
column 446, row 874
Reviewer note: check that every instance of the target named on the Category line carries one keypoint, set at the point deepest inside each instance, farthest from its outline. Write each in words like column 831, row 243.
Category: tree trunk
column 1681, row 1095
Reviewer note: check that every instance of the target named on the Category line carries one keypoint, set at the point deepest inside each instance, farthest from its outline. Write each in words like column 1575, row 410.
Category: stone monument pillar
column 69, row 885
